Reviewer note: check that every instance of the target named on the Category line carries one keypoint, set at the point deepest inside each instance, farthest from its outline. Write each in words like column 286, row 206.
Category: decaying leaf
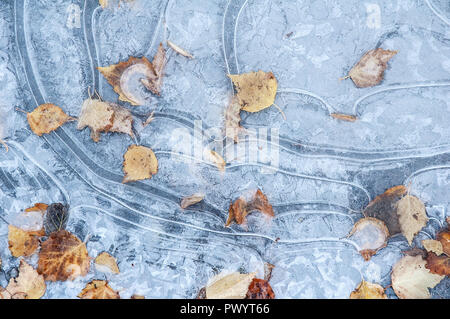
column 214, row 158
column 438, row 264
column 139, row 163
column 370, row 69
column 191, row 200
column 444, row 239
column 384, row 207
column 4, row 294
column 63, row 256
column 98, row 289
column 260, row 289
column 255, row 90
column 56, row 218
column 241, row 207
column 47, row 118
column 412, row 216
column 233, row 119
column 179, row 50
column 38, row 207
column 106, row 260
column 22, row 242
column 367, row 290
column 434, row 246
column 123, row 121
column 411, row 279
column 97, row 115
column 28, row 285
column 370, row 234
column 231, row 286
column 124, row 75
column 344, row 117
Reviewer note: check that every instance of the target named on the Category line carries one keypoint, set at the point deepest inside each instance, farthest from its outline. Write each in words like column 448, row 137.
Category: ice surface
column 319, row 174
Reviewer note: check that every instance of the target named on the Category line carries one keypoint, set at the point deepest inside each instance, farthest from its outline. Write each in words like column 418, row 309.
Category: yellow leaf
column 255, row 90
column 108, row 261
column 98, row 289
column 139, row 163
column 29, row 284
column 367, row 290
column 231, row 286
column 22, row 242
column 434, row 246
column 47, row 118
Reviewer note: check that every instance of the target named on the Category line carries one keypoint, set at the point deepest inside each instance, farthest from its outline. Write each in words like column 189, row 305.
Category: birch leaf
column 412, row 216
column 46, row 118
column 139, row 163
column 367, row 290
column 231, row 286
column 22, row 242
column 434, row 246
column 29, row 284
column 97, row 115
column 105, row 260
column 56, row 218
column 98, row 289
column 370, row 234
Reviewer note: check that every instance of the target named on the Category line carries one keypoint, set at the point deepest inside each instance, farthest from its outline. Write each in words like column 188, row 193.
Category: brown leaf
column 22, row 242
column 260, row 289
column 239, row 210
column 255, row 90
column 370, row 69
column 98, row 289
column 444, row 239
column 97, row 115
column 179, row 50
column 344, row 117
column 412, row 216
column 411, row 279
column 214, row 158
column 28, row 285
column 432, row 245
column 106, row 260
column 159, row 63
column 438, row 264
column 139, row 163
column 370, row 234
column 384, row 207
column 38, row 207
column 268, row 268
column 63, row 256
column 47, row 118
column 367, row 290
column 191, row 200
column 231, row 286
column 232, row 120
column 123, row 121
column 137, row 297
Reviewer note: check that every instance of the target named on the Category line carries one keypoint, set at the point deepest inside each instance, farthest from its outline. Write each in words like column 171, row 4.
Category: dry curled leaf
column 255, row 90
column 214, row 158
column 241, row 207
column 38, row 207
column 47, row 118
column 139, row 163
column 370, row 234
column 367, row 290
column 106, row 260
column 438, row 264
column 411, row 279
column 97, row 115
column 344, row 117
column 384, row 207
column 233, row 119
column 179, row 50
column 231, row 286
column 22, row 242
column 63, row 256
column 125, row 75
column 28, row 285
column 432, row 245
column 98, row 289
column 370, row 69
column 191, row 200
column 260, row 289
column 412, row 216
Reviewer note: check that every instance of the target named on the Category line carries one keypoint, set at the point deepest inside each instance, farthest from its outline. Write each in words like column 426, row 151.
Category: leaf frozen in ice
column 139, row 163
column 98, row 289
column 412, row 216
column 47, row 118
column 370, row 234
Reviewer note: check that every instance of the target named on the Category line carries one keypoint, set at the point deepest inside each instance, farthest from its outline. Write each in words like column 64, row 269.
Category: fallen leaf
column 137, row 297
column 268, row 268
column 97, row 115
column 214, row 158
column 139, row 163
column 179, row 50
column 123, row 121
column 260, row 289
column 191, row 200
column 47, row 118
column 231, row 286
column 384, row 207
column 4, row 145
column 56, row 218
column 255, row 90
column 367, row 290
column 122, row 76
column 370, row 69
column 22, row 242
column 344, row 117
column 29, row 284
column 232, row 120
column 240, row 208
column 63, row 256
column 370, row 234
column 434, row 246
column 108, row 261
column 4, row 294
column 98, row 289
column 444, row 239
column 38, row 207
column 412, row 216
column 411, row 279
column 438, row 264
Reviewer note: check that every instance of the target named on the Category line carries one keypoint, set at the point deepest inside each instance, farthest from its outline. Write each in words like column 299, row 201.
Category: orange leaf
column 438, row 264
column 260, row 289
column 344, row 117
column 47, row 118
column 139, row 163
column 38, row 207
column 239, row 210
column 367, row 290
column 98, row 289
column 22, row 242
column 444, row 238
column 63, row 256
